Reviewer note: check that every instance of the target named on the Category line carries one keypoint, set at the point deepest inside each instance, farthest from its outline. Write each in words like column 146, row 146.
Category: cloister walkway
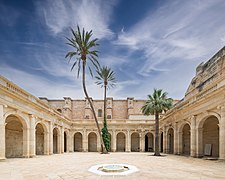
column 69, row 166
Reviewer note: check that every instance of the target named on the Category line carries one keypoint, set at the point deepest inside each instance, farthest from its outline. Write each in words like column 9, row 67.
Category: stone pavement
column 72, row 166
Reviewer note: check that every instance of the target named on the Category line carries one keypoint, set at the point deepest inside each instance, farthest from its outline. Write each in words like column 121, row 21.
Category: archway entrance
column 56, row 141
column 39, row 137
column 14, row 136
column 78, row 142
column 92, row 142
column 211, row 137
column 135, row 142
column 120, row 142
column 149, row 142
column 170, row 137
column 186, row 140
column 65, row 142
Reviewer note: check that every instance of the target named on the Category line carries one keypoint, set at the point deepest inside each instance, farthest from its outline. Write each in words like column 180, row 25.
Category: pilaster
column 2, row 133
column 32, row 136
column 222, row 134
column 193, row 136
column 128, row 142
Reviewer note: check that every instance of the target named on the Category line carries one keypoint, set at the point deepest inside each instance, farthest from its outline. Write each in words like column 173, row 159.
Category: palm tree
column 155, row 105
column 84, row 53
column 106, row 78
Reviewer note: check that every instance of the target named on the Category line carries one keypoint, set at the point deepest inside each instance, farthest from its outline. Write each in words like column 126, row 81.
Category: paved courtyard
column 75, row 166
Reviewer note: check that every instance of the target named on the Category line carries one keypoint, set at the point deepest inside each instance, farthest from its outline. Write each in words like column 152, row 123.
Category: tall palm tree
column 155, row 105
column 84, row 53
column 106, row 78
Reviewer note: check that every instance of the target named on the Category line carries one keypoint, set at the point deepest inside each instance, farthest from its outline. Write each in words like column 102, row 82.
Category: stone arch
column 92, row 142
column 186, row 139
column 56, row 140
column 149, row 142
column 208, row 130
column 78, row 142
column 16, row 144
column 170, row 140
column 135, row 142
column 120, row 142
column 40, row 138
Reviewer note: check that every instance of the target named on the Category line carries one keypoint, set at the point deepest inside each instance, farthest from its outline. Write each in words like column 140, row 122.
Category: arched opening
column 100, row 113
column 170, row 141
column 135, row 142
column 149, row 142
column 39, row 139
column 211, row 137
column 55, row 140
column 92, row 142
column 77, row 142
column 186, row 140
column 65, row 142
column 14, row 136
column 161, row 142
column 120, row 142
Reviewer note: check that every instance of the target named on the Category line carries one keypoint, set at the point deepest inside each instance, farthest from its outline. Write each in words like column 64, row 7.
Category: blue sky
column 149, row 44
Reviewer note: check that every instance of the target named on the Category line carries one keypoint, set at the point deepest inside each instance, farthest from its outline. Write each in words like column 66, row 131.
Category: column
column 32, row 136
column 70, row 143
column 142, row 142
column 46, row 143
column 199, row 142
column 26, row 143
column 98, row 143
column 50, row 138
column 113, row 140
column 180, row 143
column 164, row 140
column 2, row 133
column 222, row 134
column 176, row 136
column 193, row 136
column 85, row 141
column 62, row 140
column 128, row 142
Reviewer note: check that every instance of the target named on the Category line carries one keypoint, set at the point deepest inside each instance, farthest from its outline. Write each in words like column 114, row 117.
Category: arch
column 208, row 115
column 78, row 142
column 170, row 140
column 149, row 142
column 65, row 141
column 15, row 136
column 40, row 139
column 210, row 136
column 92, row 142
column 186, row 139
column 56, row 140
column 161, row 142
column 120, row 142
column 135, row 142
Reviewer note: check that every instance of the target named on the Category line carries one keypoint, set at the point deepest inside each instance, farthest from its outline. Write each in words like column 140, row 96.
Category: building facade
column 195, row 126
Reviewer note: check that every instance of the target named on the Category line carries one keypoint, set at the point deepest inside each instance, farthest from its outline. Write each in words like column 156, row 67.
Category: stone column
column 199, row 142
column 98, row 143
column 222, row 134
column 62, row 140
column 85, row 141
column 113, row 141
column 2, row 133
column 180, row 143
column 70, row 143
column 50, row 138
column 32, row 136
column 46, row 143
column 128, row 142
column 142, row 142
column 164, row 140
column 193, row 136
column 26, row 142
column 176, row 138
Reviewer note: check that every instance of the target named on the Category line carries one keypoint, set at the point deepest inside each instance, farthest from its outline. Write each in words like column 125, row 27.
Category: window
column 99, row 113
column 59, row 110
column 87, row 117
column 109, row 117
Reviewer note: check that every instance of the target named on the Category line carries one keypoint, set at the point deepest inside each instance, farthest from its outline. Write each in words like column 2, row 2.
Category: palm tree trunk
column 157, row 153
column 105, row 106
column 103, row 149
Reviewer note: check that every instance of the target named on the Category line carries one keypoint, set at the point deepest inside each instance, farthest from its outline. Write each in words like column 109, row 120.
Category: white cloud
column 90, row 14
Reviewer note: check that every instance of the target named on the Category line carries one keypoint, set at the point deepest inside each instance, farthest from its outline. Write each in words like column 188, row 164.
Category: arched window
column 59, row 110
column 99, row 113
column 109, row 117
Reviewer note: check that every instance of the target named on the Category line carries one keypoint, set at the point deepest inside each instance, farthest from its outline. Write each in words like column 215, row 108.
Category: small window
column 99, row 113
column 109, row 117
column 59, row 110
column 87, row 117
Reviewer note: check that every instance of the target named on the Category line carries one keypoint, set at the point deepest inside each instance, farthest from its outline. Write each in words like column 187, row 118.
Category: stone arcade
column 195, row 126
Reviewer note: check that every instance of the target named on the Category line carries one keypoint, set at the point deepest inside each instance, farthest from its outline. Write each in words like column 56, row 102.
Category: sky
column 147, row 43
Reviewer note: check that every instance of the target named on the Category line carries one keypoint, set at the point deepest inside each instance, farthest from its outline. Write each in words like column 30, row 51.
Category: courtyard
column 70, row 166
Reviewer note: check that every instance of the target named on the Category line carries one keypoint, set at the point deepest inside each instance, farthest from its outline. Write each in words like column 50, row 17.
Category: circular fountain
column 113, row 169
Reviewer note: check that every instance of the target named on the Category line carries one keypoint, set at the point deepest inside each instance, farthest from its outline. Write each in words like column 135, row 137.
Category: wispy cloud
column 90, row 14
